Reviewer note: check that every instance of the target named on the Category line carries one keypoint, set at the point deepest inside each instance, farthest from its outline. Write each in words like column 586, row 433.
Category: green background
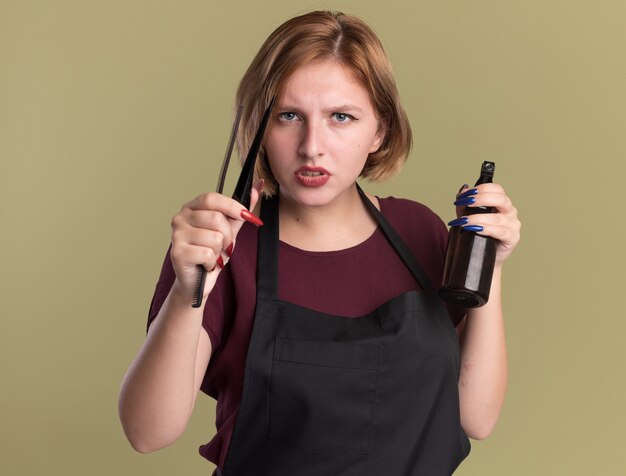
column 114, row 113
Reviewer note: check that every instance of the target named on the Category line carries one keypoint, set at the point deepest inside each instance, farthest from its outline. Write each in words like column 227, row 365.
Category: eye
column 342, row 117
column 287, row 116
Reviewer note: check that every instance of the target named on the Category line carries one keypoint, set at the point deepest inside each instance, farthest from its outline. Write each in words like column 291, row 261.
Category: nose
column 311, row 141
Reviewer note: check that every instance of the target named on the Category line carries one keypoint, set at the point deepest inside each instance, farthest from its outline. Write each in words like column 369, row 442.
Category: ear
column 378, row 138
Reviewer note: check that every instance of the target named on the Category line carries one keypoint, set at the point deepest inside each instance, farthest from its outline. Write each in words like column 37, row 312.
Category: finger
column 499, row 201
column 207, row 245
column 201, row 237
column 505, row 235
column 476, row 222
column 203, row 228
column 490, row 187
column 221, row 203
column 494, row 195
column 210, row 220
column 191, row 256
column 482, row 189
column 255, row 193
column 496, row 225
column 215, row 231
column 493, row 218
column 460, row 210
column 463, row 188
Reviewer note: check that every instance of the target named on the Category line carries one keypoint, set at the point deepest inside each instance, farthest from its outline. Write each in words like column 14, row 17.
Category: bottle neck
column 483, row 179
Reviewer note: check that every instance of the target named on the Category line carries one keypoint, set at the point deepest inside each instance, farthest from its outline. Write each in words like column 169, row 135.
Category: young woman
column 320, row 334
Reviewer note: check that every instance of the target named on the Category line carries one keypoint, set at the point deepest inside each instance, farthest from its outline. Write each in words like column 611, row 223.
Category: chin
column 310, row 197
column 309, row 201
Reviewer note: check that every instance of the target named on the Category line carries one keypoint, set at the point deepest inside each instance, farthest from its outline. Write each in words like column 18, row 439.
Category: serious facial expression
column 324, row 127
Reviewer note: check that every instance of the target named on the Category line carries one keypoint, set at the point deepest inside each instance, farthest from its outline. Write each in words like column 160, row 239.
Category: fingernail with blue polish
column 464, row 201
column 473, row 228
column 458, row 222
column 469, row 193
column 462, row 187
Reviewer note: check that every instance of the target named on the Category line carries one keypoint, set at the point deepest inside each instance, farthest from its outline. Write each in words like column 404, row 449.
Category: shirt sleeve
column 212, row 320
column 163, row 286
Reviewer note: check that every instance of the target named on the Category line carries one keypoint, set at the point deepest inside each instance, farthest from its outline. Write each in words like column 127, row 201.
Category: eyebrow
column 340, row 108
column 345, row 107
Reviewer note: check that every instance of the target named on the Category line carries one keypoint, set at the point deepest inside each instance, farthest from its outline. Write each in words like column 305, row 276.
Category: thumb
column 255, row 193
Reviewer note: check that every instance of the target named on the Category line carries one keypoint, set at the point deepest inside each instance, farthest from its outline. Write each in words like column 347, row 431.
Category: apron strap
column 267, row 259
column 398, row 244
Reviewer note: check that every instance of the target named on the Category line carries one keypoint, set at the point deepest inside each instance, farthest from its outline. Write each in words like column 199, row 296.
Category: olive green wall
column 114, row 113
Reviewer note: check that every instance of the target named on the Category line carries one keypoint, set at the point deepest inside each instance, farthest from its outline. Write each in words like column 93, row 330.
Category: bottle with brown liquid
column 470, row 258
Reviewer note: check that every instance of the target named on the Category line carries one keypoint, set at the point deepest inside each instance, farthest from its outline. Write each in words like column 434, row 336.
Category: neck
column 341, row 224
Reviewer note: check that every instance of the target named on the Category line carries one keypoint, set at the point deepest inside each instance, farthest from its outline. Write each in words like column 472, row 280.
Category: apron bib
column 329, row 395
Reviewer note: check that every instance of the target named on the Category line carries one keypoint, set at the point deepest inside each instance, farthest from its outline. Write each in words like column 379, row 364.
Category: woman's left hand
column 503, row 224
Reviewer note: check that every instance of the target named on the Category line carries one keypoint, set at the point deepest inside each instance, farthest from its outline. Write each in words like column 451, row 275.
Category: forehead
column 323, row 80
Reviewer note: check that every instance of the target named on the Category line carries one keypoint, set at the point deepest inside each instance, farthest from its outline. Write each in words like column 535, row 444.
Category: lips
column 312, row 176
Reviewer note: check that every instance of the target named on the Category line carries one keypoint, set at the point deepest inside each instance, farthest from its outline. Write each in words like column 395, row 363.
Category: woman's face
column 323, row 130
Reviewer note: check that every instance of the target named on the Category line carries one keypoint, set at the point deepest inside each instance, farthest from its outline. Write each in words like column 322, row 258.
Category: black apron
column 328, row 395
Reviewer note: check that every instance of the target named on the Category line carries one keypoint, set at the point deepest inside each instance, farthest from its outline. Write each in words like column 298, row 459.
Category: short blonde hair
column 313, row 37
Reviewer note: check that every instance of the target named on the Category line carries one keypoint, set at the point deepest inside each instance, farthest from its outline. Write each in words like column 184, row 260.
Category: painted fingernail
column 462, row 202
column 251, row 217
column 462, row 187
column 220, row 262
column 473, row 228
column 458, row 222
column 469, row 193
column 229, row 250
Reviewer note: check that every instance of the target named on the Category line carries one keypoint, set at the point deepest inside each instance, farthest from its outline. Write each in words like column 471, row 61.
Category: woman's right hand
column 160, row 388
column 204, row 233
